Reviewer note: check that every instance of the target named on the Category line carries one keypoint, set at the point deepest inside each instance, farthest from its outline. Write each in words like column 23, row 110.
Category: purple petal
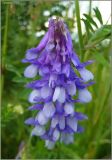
column 42, row 43
column 72, row 123
column 80, row 129
column 36, row 107
column 80, row 116
column 66, row 69
column 30, row 121
column 75, row 59
column 48, row 99
column 37, row 84
column 82, row 65
column 81, row 85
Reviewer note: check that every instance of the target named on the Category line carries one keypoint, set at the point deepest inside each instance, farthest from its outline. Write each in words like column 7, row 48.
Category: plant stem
column 5, row 32
column 79, row 28
column 4, row 46
column 90, row 5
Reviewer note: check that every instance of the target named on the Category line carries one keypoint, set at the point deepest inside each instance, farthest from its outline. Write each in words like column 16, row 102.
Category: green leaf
column 102, row 32
column 98, row 15
column 87, row 24
column 12, row 68
column 99, row 35
column 20, row 80
column 100, row 59
column 90, row 19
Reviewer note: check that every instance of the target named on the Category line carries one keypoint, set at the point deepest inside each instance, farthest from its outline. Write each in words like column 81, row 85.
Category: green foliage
column 98, row 15
column 20, row 22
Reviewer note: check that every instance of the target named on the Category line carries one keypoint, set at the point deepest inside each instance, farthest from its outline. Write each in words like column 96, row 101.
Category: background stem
column 79, row 28
column 90, row 5
column 4, row 49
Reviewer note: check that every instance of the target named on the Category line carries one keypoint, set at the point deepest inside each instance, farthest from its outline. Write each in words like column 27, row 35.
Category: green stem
column 5, row 32
column 79, row 28
column 90, row 5
column 4, row 50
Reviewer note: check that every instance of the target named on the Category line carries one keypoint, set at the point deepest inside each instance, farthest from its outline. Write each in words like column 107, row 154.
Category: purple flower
column 55, row 95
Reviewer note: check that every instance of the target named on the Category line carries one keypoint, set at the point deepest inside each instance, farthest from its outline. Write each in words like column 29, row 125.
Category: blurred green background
column 23, row 25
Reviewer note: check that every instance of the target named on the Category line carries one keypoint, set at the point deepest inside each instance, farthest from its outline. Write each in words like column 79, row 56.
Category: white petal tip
column 49, row 144
column 62, row 95
column 56, row 94
column 86, row 74
column 45, row 91
column 31, row 71
column 68, row 108
column 33, row 95
column 85, row 96
column 38, row 131
column 41, row 118
column 49, row 110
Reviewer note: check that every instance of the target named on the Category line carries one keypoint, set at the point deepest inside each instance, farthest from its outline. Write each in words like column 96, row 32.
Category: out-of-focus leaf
column 86, row 26
column 100, row 59
column 90, row 19
column 7, row 115
column 20, row 80
column 70, row 23
column 24, row 94
column 98, row 15
column 87, row 23
column 102, row 32
column 99, row 35
column 12, row 68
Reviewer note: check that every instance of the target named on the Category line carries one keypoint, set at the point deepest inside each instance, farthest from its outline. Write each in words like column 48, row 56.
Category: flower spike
column 54, row 95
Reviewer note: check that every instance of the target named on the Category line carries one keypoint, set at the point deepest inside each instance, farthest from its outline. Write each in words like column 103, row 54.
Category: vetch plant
column 55, row 95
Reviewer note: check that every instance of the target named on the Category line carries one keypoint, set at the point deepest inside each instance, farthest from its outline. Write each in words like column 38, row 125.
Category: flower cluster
column 53, row 96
